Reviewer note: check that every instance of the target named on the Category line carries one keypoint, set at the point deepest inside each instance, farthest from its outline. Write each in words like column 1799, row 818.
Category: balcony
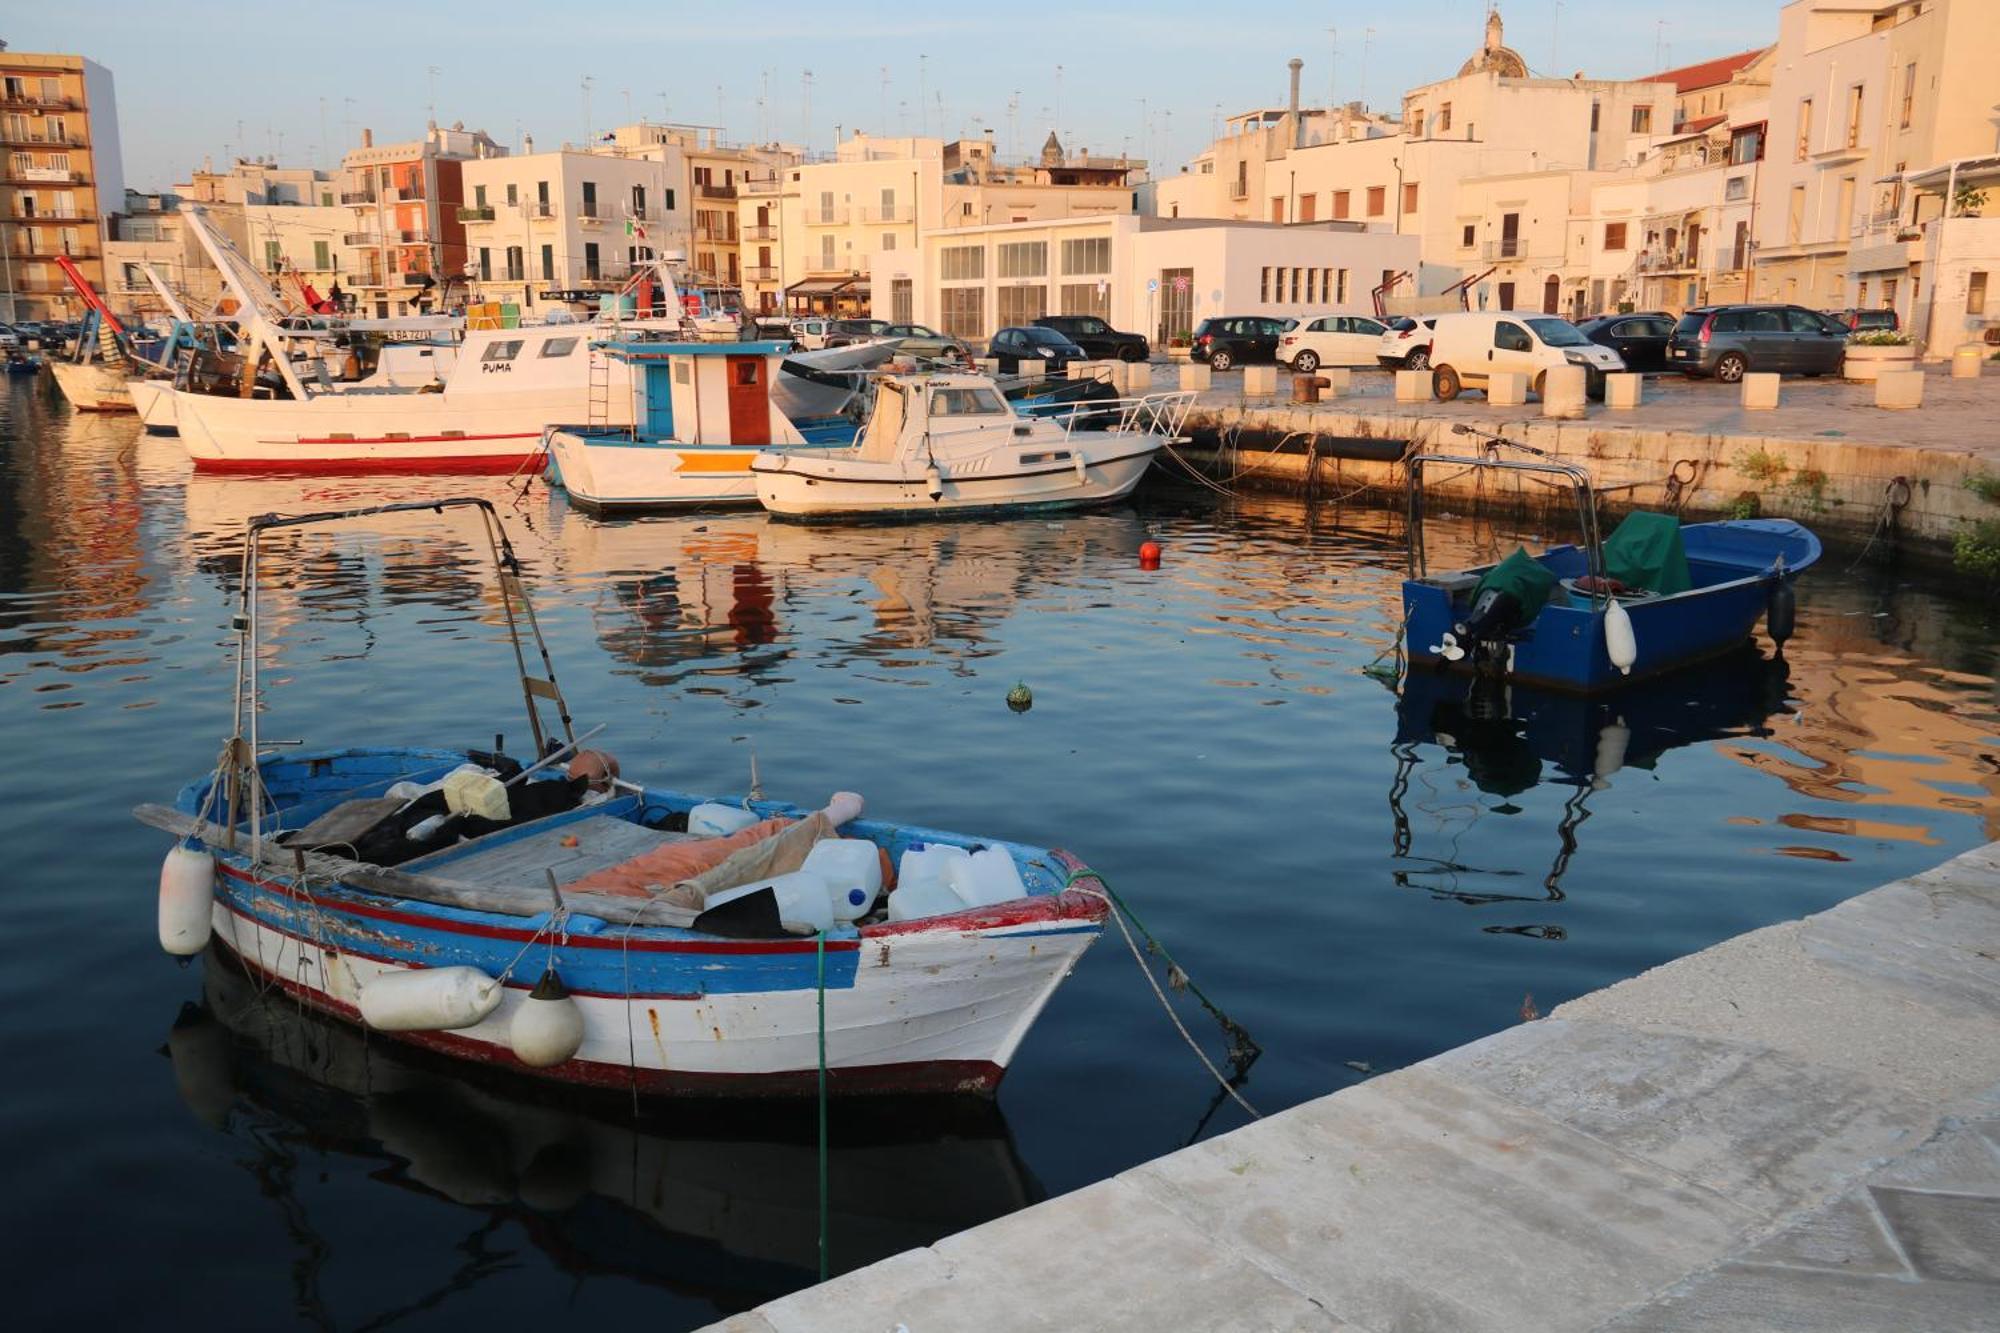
column 353, row 197
column 716, row 191
column 408, row 237
column 1669, row 263
column 33, row 140
column 759, row 185
column 1239, row 190
column 541, row 211
column 57, row 217
column 475, row 213
column 588, row 216
column 761, row 273
column 42, row 249
column 760, row 233
column 885, row 215
column 361, row 280
column 363, row 238
column 826, row 217
column 513, row 275
column 43, row 176
column 41, row 103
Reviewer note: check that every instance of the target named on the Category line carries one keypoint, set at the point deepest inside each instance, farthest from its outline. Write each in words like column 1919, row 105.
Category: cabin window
column 966, row 402
column 682, row 375
column 559, row 346
column 746, row 372
column 502, row 351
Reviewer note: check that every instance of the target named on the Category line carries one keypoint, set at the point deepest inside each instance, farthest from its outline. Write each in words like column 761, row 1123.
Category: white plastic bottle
column 923, row 883
column 805, row 903
column 852, row 869
column 712, row 819
column 987, row 877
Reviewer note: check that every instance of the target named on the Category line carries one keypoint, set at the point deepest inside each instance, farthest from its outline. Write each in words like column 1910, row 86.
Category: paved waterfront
column 1798, row 1128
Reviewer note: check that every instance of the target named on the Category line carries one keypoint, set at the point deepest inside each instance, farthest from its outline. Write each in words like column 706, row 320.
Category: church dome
column 1495, row 57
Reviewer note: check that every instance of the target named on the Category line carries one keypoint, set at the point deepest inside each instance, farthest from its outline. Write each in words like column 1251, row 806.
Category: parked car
column 921, row 340
column 1406, row 343
column 1869, row 321
column 1235, row 340
column 1099, row 339
column 1468, row 349
column 1639, row 340
column 8, row 338
column 1044, row 348
column 810, row 334
column 841, row 332
column 1331, row 340
column 31, row 331
column 1728, row 341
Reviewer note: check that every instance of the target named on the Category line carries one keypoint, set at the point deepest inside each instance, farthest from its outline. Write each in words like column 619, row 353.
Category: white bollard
column 1624, row 392
column 1760, row 391
column 988, row 365
column 1413, row 386
column 1968, row 361
column 1564, row 392
column 1899, row 390
column 1340, row 382
column 1260, row 381
column 1138, row 381
column 1195, row 375
column 1506, row 388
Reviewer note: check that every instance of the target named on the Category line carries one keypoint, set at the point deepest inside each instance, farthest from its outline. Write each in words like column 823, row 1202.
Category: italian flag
column 634, row 229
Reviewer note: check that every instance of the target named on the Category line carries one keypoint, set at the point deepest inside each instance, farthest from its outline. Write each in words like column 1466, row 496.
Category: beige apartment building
column 63, row 178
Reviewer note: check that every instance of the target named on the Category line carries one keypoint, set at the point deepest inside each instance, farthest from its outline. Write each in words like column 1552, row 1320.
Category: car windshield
column 1046, row 337
column 1558, row 333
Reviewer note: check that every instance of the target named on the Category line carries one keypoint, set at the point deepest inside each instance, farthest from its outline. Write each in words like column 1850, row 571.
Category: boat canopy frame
column 1540, row 463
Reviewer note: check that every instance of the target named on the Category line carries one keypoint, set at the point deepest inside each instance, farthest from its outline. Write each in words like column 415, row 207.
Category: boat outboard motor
column 1487, row 628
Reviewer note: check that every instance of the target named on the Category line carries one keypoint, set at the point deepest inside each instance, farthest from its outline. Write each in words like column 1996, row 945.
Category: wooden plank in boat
column 601, row 842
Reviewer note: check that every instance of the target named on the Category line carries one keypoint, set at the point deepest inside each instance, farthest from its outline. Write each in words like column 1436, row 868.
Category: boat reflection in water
column 715, row 1199
column 1509, row 739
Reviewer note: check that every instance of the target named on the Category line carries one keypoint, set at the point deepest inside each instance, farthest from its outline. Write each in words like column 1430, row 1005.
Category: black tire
column 1131, row 352
column 1220, row 359
column 1445, row 384
column 1419, row 359
column 1729, row 367
column 1306, row 362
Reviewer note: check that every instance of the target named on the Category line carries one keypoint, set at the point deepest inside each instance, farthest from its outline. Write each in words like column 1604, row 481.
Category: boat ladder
column 600, row 391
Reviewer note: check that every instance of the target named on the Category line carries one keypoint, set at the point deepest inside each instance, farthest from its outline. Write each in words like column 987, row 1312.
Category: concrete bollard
column 988, row 365
column 1195, row 375
column 1260, row 381
column 1968, row 361
column 1138, row 378
column 1340, row 383
column 1565, row 392
column 1760, row 391
column 1506, row 388
column 1413, row 386
column 1624, row 392
column 1083, row 370
column 1305, row 388
column 1899, row 389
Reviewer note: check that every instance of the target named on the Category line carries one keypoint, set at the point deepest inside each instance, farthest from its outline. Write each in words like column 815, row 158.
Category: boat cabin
column 919, row 414
column 707, row 393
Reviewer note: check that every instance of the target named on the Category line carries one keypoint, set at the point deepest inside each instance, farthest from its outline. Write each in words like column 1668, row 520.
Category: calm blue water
column 1361, row 886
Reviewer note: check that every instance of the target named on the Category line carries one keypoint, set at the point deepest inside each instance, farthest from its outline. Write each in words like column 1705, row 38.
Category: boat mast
column 257, row 310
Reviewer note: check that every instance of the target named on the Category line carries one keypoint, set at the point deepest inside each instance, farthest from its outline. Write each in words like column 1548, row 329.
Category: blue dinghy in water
column 1578, row 616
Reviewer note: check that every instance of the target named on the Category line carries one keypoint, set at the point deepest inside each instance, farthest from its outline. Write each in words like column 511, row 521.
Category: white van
column 1468, row 349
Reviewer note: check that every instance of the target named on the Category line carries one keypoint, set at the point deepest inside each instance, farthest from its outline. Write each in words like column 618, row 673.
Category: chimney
column 367, row 138
column 1298, row 126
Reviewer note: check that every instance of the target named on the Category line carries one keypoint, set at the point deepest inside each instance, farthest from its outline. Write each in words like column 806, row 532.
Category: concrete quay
column 1826, row 456
column 1798, row 1128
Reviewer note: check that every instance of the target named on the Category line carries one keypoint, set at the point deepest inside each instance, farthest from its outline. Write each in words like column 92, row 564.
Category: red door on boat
column 749, row 404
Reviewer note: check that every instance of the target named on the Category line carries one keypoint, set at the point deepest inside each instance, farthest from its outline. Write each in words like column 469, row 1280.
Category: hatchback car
column 922, row 340
column 1406, row 343
column 1331, row 340
column 1729, row 341
column 1042, row 349
column 841, row 332
column 1639, row 340
column 1235, row 340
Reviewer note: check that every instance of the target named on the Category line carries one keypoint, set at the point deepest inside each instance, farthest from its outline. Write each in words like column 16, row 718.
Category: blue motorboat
column 1655, row 596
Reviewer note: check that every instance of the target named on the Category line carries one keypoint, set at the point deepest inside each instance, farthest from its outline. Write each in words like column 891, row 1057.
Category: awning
column 1966, row 167
column 826, row 286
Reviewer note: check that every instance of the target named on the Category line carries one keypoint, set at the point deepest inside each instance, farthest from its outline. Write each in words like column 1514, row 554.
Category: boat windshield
column 974, row 401
column 1558, row 333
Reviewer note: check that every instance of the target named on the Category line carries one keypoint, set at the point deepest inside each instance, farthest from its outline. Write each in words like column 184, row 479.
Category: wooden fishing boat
column 1599, row 613
column 491, row 945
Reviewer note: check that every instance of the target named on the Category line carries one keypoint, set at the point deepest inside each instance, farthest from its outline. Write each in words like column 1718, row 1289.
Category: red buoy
column 1149, row 555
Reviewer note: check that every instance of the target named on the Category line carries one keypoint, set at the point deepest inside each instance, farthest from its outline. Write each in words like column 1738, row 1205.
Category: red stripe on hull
column 922, row 1076
column 461, row 466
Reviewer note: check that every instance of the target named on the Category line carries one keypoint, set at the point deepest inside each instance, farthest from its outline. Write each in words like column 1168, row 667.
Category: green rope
column 820, row 970
column 1243, row 1048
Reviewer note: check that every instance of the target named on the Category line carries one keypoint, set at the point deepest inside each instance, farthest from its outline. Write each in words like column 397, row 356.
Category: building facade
column 63, row 179
column 405, row 240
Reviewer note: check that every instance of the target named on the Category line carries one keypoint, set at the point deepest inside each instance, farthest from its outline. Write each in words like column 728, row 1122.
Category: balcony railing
column 358, row 197
column 760, row 233
column 475, row 213
column 514, row 275
column 361, row 279
column 410, row 237
column 826, row 217
column 760, row 273
column 588, row 216
column 891, row 214
column 33, row 140
column 715, row 191
column 759, row 185
column 541, row 210
column 363, row 238
column 45, row 103
column 1503, row 249
column 1669, row 263
column 1239, row 190
column 43, row 176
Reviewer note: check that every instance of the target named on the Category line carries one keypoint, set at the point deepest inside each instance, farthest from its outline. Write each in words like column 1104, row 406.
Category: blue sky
column 1152, row 78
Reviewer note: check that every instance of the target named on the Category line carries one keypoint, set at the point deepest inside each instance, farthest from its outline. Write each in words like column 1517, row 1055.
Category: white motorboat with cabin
column 950, row 443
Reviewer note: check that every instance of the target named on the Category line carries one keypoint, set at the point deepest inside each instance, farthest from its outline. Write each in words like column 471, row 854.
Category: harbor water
column 1362, row 880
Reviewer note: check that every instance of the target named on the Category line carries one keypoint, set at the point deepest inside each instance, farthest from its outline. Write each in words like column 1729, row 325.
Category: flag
column 632, row 228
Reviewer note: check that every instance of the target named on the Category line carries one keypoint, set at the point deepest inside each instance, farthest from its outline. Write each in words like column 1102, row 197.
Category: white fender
column 187, row 901
column 934, row 482
column 1619, row 640
column 1082, row 468
column 428, row 999
column 548, row 1027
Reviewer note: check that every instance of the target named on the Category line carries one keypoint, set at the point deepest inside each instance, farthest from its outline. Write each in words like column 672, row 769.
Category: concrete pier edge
column 1797, row 1128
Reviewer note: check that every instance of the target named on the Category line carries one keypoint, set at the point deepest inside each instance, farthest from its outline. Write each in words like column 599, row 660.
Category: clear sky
column 197, row 78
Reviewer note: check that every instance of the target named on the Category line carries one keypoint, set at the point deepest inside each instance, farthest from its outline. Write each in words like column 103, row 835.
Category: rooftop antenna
column 666, row 117
column 431, row 73
column 884, row 121
column 1013, row 115
column 1332, row 63
column 323, row 140
column 721, row 113
column 806, row 81
column 923, row 76
column 1145, row 129
column 1660, row 47
column 1058, row 124
column 588, row 130
column 1367, row 48
column 1555, row 31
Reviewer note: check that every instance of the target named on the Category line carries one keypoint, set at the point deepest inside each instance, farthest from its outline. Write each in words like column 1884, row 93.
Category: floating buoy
column 1781, row 614
column 187, row 901
column 1020, row 698
column 548, row 1027
column 1149, row 555
column 1619, row 640
column 430, row 999
column 934, row 482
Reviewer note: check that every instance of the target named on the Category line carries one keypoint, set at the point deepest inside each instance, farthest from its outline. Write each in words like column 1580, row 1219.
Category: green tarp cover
column 1646, row 552
column 1526, row 578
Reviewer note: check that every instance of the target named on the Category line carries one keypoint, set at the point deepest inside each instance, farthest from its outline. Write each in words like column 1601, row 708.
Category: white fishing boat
column 938, row 444
column 701, row 412
column 93, row 386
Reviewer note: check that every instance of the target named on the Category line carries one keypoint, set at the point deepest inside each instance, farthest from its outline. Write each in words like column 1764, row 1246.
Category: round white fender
column 1619, row 640
column 934, row 482
column 428, row 999
column 187, row 901
column 548, row 1027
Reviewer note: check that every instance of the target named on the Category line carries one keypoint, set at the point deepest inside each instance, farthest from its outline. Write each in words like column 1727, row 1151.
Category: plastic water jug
column 923, row 883
column 711, row 819
column 987, row 877
column 805, row 904
column 852, row 869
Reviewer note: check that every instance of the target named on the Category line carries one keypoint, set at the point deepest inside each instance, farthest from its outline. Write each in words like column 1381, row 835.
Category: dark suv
column 1098, row 340
column 1238, row 340
column 1727, row 341
column 1044, row 350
